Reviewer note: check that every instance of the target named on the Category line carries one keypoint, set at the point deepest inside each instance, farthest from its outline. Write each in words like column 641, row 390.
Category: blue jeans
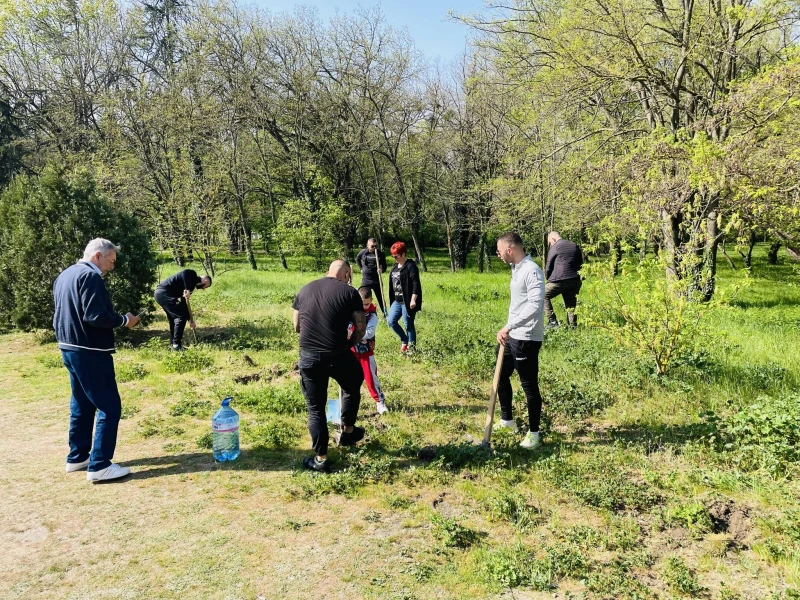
column 395, row 310
column 94, row 391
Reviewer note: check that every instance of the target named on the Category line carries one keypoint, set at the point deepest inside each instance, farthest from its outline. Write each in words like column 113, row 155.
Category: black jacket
column 563, row 261
column 366, row 262
column 409, row 283
column 174, row 285
column 84, row 319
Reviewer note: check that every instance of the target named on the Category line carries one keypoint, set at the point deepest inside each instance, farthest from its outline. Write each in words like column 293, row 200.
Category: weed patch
column 765, row 435
column 287, row 400
column 680, row 578
column 153, row 426
column 187, row 361
column 130, row 372
column 598, row 482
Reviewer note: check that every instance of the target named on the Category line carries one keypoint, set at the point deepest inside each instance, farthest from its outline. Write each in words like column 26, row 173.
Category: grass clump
column 680, row 578
column 692, row 515
column 52, row 361
column 599, row 482
column 513, row 508
column 193, row 407
column 130, row 372
column 287, row 400
column 187, row 361
column 152, row 426
column 452, row 534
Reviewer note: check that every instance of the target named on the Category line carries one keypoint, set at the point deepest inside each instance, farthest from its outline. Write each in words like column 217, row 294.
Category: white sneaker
column 115, row 471
column 511, row 424
column 381, row 407
column 532, row 441
column 72, row 467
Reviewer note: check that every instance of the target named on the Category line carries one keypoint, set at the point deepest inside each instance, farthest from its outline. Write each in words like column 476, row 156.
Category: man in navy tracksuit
column 84, row 323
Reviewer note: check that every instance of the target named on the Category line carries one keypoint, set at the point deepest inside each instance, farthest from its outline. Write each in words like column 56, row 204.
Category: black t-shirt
column 183, row 280
column 398, row 289
column 326, row 307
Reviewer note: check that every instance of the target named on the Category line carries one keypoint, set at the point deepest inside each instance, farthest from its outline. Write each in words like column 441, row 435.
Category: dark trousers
column 94, row 392
column 524, row 357
column 375, row 286
column 177, row 315
column 316, row 370
column 569, row 289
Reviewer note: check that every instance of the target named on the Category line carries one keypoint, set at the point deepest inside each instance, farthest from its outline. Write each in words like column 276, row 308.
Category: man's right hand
column 133, row 320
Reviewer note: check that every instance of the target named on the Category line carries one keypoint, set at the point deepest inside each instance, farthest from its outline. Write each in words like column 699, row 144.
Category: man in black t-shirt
column 372, row 263
column 323, row 310
column 172, row 295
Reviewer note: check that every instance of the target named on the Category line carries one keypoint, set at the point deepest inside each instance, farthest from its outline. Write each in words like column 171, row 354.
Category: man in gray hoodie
column 521, row 338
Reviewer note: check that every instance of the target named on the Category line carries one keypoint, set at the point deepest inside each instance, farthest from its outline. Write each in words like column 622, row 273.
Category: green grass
column 623, row 501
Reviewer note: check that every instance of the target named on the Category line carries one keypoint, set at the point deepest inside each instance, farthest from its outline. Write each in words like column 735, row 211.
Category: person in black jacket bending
column 84, row 322
column 172, row 294
column 563, row 263
column 371, row 269
column 405, row 296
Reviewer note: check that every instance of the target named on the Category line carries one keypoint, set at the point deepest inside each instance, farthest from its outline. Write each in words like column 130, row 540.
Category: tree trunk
column 670, row 228
column 748, row 258
column 772, row 254
column 710, row 252
column 248, row 234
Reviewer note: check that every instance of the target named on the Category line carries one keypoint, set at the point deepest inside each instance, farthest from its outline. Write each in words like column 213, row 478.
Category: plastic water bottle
column 225, row 428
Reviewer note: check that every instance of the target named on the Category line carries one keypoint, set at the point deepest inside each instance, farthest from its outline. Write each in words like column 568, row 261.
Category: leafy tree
column 48, row 220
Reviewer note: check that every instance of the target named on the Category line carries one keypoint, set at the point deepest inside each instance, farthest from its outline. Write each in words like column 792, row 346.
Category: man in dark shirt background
column 323, row 310
column 172, row 295
column 564, row 260
column 371, row 269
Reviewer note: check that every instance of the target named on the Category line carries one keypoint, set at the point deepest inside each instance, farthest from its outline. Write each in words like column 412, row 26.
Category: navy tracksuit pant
column 94, row 393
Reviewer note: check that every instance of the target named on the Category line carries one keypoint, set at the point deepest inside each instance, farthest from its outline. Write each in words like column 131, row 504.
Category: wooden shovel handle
column 487, row 430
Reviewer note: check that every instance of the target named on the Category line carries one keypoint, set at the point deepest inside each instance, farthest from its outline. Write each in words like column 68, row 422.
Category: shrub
column 656, row 317
column 47, row 222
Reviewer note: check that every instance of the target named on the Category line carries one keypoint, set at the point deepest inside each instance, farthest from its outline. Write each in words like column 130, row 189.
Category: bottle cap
column 227, row 401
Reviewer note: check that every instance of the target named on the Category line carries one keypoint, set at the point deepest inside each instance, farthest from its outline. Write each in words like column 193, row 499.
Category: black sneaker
column 312, row 464
column 178, row 348
column 349, row 439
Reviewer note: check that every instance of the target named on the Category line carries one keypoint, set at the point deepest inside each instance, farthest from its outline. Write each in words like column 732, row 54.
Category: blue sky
column 426, row 20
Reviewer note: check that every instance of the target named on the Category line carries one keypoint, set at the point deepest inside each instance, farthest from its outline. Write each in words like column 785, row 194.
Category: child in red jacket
column 364, row 352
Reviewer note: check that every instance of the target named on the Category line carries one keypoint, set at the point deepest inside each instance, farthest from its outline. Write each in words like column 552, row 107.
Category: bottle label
column 224, row 428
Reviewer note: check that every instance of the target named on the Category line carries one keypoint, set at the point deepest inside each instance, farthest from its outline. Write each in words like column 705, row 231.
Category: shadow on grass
column 256, row 459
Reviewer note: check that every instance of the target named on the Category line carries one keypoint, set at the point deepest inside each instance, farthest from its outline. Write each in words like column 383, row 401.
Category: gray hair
column 100, row 245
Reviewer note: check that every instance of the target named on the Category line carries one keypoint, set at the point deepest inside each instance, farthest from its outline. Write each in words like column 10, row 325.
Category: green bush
column 47, row 222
